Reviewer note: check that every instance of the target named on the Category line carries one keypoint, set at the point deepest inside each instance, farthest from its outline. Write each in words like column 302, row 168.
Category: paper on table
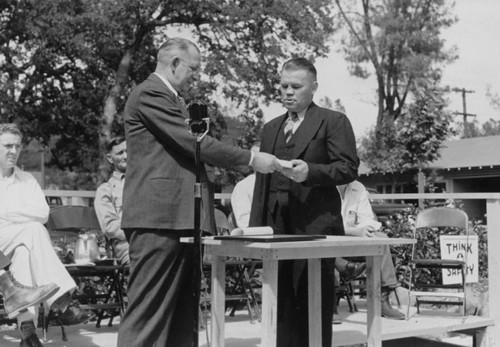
column 252, row 231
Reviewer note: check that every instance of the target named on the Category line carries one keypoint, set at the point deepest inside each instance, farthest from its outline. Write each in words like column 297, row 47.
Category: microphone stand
column 197, row 128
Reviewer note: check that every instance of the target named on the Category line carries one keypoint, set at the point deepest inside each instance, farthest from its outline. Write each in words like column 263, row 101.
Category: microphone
column 198, row 117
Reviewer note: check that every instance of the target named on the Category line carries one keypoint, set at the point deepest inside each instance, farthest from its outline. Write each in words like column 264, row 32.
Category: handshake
column 295, row 169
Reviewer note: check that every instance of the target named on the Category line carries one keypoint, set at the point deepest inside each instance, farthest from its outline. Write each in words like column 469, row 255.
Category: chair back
column 439, row 217
column 442, row 217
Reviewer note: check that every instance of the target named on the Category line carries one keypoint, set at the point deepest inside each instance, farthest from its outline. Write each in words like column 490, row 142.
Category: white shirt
column 241, row 200
column 301, row 115
column 21, row 199
column 356, row 208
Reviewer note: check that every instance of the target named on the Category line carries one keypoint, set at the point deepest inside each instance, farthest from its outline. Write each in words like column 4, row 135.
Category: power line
column 464, row 114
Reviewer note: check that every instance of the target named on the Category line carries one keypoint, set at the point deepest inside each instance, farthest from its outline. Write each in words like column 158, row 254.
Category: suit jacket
column 327, row 144
column 159, row 189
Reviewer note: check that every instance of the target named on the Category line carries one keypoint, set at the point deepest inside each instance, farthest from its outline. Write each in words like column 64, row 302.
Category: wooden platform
column 429, row 323
column 241, row 333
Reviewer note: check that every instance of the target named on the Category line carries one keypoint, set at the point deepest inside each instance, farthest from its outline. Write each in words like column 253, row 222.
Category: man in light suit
column 158, row 199
column 304, row 199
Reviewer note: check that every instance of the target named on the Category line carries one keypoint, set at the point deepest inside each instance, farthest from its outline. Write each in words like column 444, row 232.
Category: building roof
column 472, row 152
column 464, row 153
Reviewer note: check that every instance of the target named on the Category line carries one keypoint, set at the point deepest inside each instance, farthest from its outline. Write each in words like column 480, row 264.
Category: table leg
column 269, row 302
column 314, row 291
column 218, row 300
column 373, row 287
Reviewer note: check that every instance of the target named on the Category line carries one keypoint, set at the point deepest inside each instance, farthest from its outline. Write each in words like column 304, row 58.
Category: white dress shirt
column 22, row 200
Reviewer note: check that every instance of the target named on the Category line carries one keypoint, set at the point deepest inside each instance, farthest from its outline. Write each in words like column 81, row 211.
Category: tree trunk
column 110, row 107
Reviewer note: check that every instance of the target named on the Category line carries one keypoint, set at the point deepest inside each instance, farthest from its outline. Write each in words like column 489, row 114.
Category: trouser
column 34, row 261
column 387, row 269
column 160, row 311
column 121, row 250
column 293, row 313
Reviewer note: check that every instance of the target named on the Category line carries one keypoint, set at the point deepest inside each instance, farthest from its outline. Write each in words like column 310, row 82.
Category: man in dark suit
column 304, row 199
column 158, row 199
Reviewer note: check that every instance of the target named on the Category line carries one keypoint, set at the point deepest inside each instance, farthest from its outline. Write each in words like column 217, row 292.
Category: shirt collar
column 15, row 175
column 167, row 83
column 301, row 114
column 118, row 175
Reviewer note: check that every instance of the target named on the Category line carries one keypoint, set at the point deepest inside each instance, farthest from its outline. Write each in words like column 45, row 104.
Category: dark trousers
column 293, row 314
column 161, row 303
column 4, row 261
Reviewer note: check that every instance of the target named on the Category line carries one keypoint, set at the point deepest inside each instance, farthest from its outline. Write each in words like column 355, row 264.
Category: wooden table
column 270, row 253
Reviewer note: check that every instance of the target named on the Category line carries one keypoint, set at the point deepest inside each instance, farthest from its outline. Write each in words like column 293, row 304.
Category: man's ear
column 174, row 63
column 109, row 159
column 315, row 86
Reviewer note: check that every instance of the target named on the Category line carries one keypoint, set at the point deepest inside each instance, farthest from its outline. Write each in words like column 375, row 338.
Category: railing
column 492, row 224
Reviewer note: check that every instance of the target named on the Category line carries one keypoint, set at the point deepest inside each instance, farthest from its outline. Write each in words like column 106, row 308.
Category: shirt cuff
column 252, row 156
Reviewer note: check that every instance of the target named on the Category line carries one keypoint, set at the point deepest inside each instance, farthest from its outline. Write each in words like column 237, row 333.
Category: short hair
column 176, row 43
column 10, row 128
column 115, row 141
column 295, row 64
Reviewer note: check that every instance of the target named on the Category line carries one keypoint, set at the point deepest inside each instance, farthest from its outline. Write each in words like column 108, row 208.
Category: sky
column 477, row 38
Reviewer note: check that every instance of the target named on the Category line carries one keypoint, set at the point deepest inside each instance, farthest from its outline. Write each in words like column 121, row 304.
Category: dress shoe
column 31, row 341
column 18, row 297
column 353, row 270
column 387, row 310
column 73, row 314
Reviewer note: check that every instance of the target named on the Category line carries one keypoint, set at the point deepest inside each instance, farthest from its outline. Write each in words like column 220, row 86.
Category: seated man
column 24, row 239
column 241, row 200
column 17, row 297
column 359, row 221
column 108, row 199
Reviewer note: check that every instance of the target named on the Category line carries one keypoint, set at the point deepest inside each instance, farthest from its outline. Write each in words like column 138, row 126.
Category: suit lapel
column 308, row 128
column 269, row 141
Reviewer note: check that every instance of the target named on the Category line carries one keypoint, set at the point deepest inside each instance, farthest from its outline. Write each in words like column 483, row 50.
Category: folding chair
column 440, row 220
column 100, row 286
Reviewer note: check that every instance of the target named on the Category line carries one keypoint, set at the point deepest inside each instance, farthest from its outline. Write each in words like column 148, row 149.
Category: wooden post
column 421, row 188
column 493, row 219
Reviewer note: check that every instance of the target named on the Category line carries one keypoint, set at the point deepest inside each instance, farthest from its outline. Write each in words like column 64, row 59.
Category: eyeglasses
column 11, row 146
column 194, row 69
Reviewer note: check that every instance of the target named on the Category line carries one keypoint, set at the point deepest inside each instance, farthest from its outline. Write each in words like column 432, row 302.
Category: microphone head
column 197, row 110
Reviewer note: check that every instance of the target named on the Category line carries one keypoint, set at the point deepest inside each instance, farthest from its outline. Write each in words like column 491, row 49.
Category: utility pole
column 464, row 113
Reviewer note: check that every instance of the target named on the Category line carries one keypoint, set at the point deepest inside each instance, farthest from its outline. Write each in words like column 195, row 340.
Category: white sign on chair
column 460, row 247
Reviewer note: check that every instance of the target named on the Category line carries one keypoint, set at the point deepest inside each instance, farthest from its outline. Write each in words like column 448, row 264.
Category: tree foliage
column 491, row 126
column 412, row 141
column 67, row 66
column 399, row 42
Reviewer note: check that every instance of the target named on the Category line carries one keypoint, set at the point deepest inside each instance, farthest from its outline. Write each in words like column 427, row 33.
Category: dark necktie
column 289, row 126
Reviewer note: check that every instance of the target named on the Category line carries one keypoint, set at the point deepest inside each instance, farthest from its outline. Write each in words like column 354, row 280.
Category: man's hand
column 360, row 231
column 265, row 162
column 298, row 172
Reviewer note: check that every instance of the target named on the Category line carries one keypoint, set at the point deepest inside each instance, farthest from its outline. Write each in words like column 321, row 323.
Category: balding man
column 158, row 199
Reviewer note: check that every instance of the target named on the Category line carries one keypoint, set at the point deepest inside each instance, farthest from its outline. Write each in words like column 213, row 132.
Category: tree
column 491, row 126
column 67, row 66
column 412, row 141
column 400, row 40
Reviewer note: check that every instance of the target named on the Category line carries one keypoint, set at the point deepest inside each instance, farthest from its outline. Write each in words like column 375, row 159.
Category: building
column 466, row 165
